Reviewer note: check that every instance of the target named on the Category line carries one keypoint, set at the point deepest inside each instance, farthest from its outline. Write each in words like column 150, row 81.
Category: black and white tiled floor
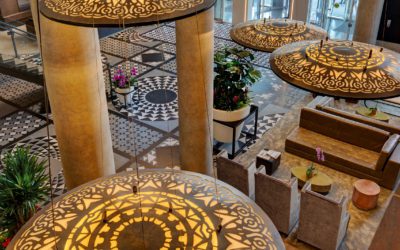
column 17, row 125
column 147, row 132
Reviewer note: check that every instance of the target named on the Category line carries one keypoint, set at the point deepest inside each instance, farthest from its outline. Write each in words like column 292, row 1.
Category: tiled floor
column 146, row 130
column 146, row 134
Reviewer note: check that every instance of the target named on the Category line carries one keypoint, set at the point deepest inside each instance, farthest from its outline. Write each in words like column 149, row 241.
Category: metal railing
column 13, row 30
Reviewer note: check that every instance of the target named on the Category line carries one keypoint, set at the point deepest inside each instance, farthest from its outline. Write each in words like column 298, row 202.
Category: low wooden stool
column 270, row 159
column 365, row 194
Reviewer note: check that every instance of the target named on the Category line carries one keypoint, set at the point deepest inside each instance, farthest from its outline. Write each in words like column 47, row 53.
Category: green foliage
column 234, row 74
column 23, row 185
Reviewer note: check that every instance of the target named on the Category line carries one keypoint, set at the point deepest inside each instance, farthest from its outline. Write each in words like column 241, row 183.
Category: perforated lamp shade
column 98, row 13
column 339, row 68
column 270, row 34
column 171, row 210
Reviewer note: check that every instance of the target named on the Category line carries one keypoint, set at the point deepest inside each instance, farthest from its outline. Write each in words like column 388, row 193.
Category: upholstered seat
column 236, row 174
column 323, row 222
column 350, row 146
column 280, row 199
column 358, row 158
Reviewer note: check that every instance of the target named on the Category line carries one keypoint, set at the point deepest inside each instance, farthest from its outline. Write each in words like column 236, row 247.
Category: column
column 195, row 51
column 75, row 84
column 299, row 10
column 368, row 18
column 34, row 11
column 239, row 11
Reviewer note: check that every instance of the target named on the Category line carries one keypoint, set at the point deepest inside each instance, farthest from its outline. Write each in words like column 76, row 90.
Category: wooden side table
column 380, row 116
column 320, row 182
column 365, row 194
column 269, row 159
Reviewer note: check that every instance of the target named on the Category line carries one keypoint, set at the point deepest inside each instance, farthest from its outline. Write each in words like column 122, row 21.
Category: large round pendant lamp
column 339, row 68
column 168, row 209
column 270, row 34
column 98, row 13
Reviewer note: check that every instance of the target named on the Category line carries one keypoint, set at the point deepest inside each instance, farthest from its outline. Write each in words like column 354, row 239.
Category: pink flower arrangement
column 320, row 154
column 121, row 80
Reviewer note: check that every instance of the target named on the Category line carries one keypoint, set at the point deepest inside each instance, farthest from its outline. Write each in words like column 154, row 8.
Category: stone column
column 239, row 11
column 299, row 10
column 75, row 84
column 34, row 11
column 195, row 51
column 368, row 18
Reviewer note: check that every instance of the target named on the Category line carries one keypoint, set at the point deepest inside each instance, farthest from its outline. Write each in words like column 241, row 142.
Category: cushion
column 359, row 118
column 335, row 151
column 387, row 150
column 342, row 129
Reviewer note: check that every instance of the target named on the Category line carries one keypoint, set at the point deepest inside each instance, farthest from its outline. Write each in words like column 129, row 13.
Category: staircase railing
column 13, row 30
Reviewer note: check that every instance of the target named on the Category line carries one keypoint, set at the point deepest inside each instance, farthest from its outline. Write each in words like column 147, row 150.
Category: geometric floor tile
column 39, row 146
column 19, row 92
column 120, row 48
column 169, row 66
column 167, row 47
column 129, row 136
column 152, row 57
column 150, row 159
column 131, row 35
column 158, row 100
column 221, row 30
column 264, row 123
column 17, row 125
column 162, row 33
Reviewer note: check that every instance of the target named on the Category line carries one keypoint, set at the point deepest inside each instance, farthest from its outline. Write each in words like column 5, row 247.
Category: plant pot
column 125, row 94
column 223, row 133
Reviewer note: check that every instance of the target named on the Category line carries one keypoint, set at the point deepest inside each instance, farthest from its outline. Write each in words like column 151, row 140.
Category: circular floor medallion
column 161, row 96
column 158, row 100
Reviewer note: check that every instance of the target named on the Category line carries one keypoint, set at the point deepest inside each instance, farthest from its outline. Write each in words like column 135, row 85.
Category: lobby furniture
column 280, row 200
column 323, row 221
column 269, row 159
column 236, row 174
column 365, row 194
column 326, row 103
column 250, row 137
column 352, row 147
column 320, row 182
column 379, row 115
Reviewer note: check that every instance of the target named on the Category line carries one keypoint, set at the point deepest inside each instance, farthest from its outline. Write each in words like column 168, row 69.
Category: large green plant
column 23, row 185
column 234, row 74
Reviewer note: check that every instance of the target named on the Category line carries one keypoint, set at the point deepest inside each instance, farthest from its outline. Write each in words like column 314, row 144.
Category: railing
column 13, row 30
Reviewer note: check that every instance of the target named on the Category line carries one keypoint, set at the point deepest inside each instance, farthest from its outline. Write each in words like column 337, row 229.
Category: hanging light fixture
column 174, row 209
column 101, row 13
column 343, row 69
column 270, row 34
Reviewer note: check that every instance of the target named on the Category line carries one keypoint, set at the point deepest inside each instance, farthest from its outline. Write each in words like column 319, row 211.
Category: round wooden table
column 320, row 182
column 380, row 116
column 365, row 194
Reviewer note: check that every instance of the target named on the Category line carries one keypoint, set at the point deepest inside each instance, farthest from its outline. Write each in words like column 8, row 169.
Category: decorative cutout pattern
column 120, row 12
column 267, row 35
column 178, row 209
column 339, row 68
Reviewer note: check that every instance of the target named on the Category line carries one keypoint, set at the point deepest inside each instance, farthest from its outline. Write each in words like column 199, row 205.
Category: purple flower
column 320, row 154
column 134, row 71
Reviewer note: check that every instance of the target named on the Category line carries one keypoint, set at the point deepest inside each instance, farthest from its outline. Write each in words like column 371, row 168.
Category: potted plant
column 24, row 184
column 234, row 75
column 124, row 84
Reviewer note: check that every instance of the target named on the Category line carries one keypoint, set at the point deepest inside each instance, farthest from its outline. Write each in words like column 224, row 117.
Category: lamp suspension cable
column 46, row 105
